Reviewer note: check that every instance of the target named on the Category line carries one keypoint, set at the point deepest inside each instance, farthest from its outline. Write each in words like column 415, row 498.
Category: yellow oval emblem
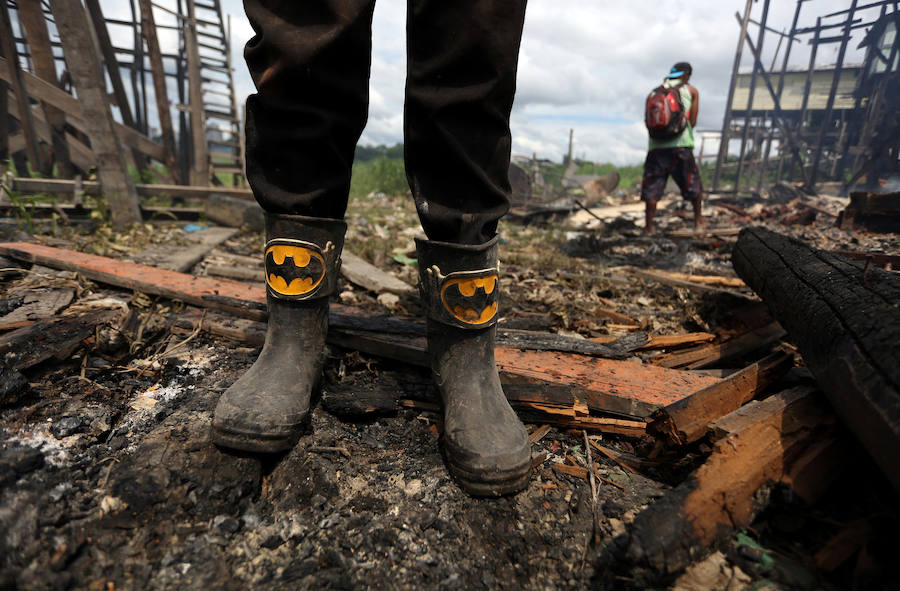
column 293, row 270
column 471, row 299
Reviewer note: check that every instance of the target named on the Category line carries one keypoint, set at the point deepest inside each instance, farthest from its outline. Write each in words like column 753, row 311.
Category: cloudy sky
column 584, row 65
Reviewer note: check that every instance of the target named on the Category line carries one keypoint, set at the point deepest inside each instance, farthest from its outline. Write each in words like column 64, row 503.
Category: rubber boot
column 485, row 444
column 264, row 410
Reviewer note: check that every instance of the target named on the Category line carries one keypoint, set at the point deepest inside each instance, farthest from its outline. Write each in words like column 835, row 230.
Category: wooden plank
column 227, row 210
column 367, row 275
column 667, row 280
column 4, row 132
column 240, row 273
column 890, row 261
column 64, row 186
column 16, row 79
column 687, row 420
column 600, row 385
column 148, row 29
column 182, row 259
column 713, row 280
column 622, row 387
column 231, row 296
column 59, row 98
column 843, row 318
column 875, row 212
column 118, row 189
column 76, row 212
column 677, row 340
column 760, row 443
column 38, row 304
column 78, row 153
column 27, row 346
column 537, row 401
column 31, row 15
column 707, row 355
column 704, row 232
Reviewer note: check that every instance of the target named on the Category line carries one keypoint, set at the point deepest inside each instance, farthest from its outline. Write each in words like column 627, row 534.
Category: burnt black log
column 844, row 317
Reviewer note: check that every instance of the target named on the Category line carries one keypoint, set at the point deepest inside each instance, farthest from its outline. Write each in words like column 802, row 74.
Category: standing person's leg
column 310, row 63
column 653, row 184
column 460, row 88
column 687, row 177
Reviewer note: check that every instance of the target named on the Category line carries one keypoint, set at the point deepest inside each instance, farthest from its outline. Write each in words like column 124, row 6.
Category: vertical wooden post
column 148, row 28
column 184, row 155
column 87, row 77
column 4, row 126
column 797, row 160
column 100, row 37
column 195, row 87
column 726, row 126
column 112, row 62
column 32, row 17
column 757, row 67
column 829, row 108
column 8, row 48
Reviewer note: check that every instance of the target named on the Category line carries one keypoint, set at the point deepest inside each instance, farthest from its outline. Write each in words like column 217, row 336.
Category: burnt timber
column 844, row 318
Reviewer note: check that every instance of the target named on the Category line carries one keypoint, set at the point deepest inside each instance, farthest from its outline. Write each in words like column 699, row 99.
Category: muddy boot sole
column 255, row 442
column 489, row 483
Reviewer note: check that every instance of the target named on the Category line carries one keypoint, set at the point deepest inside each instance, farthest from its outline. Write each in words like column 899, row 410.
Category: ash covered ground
column 108, row 479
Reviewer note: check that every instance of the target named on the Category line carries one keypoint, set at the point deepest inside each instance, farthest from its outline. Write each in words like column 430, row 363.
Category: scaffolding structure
column 801, row 120
column 165, row 64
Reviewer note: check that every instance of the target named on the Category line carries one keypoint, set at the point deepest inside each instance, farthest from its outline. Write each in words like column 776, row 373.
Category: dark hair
column 682, row 67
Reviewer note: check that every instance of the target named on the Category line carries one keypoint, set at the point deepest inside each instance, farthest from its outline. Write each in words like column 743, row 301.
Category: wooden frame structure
column 807, row 121
column 122, row 62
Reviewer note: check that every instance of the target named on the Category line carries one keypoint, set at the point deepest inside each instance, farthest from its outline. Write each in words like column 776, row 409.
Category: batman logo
column 294, row 268
column 472, row 300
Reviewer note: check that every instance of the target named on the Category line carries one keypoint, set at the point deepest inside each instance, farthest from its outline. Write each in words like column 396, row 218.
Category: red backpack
column 664, row 113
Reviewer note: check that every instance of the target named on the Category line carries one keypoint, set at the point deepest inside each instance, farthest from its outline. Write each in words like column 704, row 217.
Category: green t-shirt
column 686, row 138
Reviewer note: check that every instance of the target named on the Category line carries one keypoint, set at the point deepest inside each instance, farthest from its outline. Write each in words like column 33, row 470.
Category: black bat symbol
column 293, row 270
column 471, row 300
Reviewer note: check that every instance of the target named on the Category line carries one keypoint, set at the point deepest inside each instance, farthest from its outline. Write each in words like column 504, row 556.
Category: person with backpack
column 670, row 116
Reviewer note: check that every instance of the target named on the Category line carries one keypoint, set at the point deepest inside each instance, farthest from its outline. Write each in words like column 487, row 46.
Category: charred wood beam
column 773, row 440
column 845, row 320
column 688, row 420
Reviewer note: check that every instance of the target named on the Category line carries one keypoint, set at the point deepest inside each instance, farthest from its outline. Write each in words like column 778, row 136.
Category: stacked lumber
column 550, row 378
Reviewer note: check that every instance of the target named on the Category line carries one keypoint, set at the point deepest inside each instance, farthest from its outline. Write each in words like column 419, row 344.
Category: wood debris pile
column 669, row 399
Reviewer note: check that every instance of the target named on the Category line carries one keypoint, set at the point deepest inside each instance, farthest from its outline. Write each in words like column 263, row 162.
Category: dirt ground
column 108, row 479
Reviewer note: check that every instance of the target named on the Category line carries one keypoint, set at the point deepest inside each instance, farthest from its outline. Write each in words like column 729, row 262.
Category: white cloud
column 584, row 65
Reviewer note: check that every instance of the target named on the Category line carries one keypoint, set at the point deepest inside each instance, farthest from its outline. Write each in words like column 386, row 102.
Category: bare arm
column 695, row 105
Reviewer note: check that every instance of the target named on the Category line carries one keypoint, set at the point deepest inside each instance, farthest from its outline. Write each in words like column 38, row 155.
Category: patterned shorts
column 678, row 162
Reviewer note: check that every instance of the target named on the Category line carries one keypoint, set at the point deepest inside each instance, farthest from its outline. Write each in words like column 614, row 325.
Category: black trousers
column 310, row 62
